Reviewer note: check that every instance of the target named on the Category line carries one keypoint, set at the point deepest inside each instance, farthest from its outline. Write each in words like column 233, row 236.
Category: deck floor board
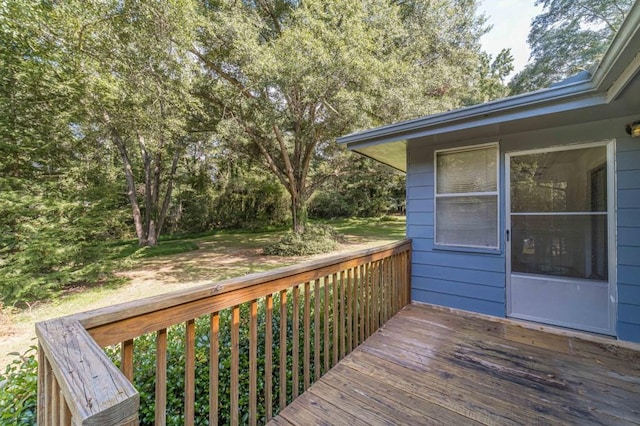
column 429, row 366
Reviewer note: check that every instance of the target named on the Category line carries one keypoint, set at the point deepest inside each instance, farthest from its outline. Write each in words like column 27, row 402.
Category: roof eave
column 618, row 67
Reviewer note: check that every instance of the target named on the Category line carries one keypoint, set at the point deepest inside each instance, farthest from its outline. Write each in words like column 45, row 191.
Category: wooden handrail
column 76, row 367
column 346, row 297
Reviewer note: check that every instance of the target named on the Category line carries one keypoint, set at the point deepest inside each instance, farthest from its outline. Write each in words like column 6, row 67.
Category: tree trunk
column 299, row 214
column 131, row 187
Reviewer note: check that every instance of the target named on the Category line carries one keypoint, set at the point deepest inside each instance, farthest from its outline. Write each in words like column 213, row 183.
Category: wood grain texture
column 98, row 392
column 316, row 330
column 432, row 366
column 332, row 337
column 279, row 279
column 126, row 359
column 214, row 327
column 325, row 325
column 190, row 373
column 235, row 365
column 295, row 338
column 335, row 327
column 268, row 357
column 253, row 362
column 306, row 351
column 283, row 349
column 161, row 378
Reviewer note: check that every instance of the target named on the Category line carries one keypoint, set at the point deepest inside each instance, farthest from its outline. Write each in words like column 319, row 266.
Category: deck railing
column 297, row 323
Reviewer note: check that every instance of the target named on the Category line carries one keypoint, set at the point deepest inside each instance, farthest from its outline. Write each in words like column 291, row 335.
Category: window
column 466, row 197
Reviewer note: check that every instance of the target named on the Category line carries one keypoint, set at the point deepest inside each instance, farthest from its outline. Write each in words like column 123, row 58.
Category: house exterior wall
column 476, row 281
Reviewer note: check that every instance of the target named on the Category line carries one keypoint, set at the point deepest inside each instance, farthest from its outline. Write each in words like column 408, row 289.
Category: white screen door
column 559, row 237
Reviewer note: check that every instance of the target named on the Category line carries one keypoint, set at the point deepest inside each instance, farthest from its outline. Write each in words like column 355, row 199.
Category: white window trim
column 466, row 194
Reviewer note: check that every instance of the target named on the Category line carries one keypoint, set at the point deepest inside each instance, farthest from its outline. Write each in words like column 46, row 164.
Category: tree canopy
column 288, row 77
column 126, row 119
column 569, row 36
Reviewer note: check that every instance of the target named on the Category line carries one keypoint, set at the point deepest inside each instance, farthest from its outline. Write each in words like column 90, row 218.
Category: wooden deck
column 428, row 366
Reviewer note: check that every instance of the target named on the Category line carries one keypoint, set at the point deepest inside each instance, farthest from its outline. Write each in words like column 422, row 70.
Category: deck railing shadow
column 258, row 341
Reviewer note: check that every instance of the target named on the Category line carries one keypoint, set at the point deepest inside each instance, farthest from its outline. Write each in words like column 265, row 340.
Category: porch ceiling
column 430, row 366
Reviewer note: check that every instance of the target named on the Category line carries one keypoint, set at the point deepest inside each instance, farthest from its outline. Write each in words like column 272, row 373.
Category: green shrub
column 18, row 385
column 18, row 390
column 315, row 240
column 145, row 363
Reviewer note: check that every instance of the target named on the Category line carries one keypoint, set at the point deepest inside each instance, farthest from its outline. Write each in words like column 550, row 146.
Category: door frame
column 610, row 144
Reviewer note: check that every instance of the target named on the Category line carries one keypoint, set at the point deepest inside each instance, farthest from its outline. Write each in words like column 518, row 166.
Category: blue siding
column 629, row 179
column 458, row 279
column 487, row 278
column 629, row 199
column 628, row 255
column 476, row 281
column 627, row 331
column 458, row 302
column 420, row 206
column 628, row 224
column 628, row 236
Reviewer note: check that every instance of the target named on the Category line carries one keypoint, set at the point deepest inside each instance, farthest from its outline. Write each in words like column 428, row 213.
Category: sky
column 511, row 20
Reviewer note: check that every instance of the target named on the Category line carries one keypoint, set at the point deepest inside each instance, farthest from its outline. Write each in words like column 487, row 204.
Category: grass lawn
column 179, row 263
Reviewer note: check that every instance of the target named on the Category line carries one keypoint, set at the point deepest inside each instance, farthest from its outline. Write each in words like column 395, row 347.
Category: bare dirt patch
column 212, row 262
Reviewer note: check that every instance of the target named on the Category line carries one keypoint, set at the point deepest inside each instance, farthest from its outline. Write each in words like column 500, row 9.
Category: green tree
column 138, row 81
column 569, row 36
column 288, row 77
column 493, row 73
column 54, row 207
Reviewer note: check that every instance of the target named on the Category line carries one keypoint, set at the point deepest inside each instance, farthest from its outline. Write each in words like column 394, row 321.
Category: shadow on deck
column 429, row 366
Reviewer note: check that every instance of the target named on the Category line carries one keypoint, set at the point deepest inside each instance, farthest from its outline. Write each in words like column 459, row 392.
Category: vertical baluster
column 49, row 391
column 235, row 364
column 401, row 286
column 342, row 288
column 336, row 317
column 65, row 414
column 367, row 286
column 375, row 295
column 326, row 324
column 55, row 401
column 253, row 362
column 307, row 337
column 396, row 279
column 385, row 290
column 350, row 300
column 161, row 378
column 43, row 396
column 356, row 305
column 405, row 265
column 190, row 373
column 363, row 303
column 126, row 359
column 392, row 286
column 268, row 360
column 409, row 275
column 214, row 326
column 283, row 349
column 383, row 285
column 316, row 330
column 296, row 341
column 378, row 292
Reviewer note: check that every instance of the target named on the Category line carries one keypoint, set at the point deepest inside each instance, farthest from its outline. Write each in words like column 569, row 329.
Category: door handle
column 507, row 235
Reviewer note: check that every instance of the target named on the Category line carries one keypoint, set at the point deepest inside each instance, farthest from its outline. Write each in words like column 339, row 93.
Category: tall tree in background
column 569, row 36
column 290, row 76
column 138, row 79
column 58, row 198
